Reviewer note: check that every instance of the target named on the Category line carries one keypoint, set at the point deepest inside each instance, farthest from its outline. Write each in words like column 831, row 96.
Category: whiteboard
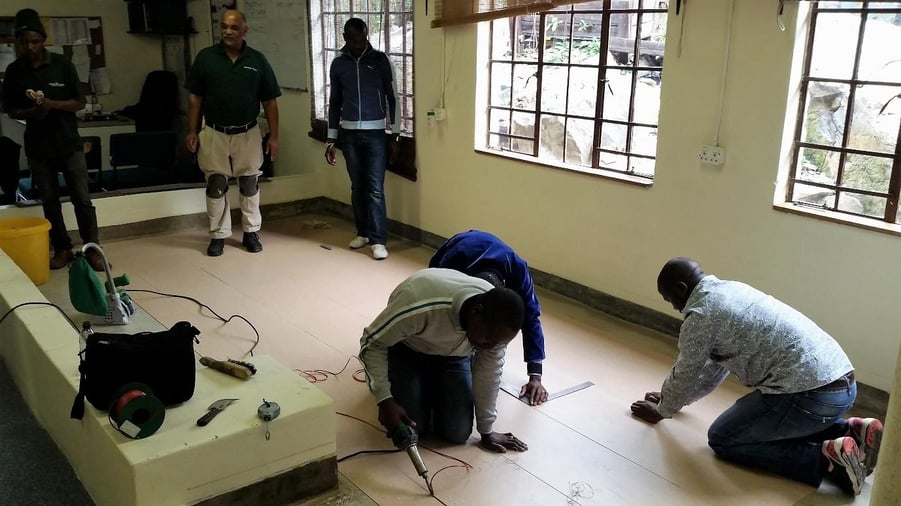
column 278, row 29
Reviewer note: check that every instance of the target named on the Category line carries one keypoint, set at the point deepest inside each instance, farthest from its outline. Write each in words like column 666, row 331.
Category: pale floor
column 310, row 297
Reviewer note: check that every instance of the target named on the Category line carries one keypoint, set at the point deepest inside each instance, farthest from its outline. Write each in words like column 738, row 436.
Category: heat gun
column 406, row 439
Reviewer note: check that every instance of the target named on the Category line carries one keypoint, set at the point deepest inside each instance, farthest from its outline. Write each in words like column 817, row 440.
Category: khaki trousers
column 232, row 156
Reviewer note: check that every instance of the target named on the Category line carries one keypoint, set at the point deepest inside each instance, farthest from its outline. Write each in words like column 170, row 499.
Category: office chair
column 158, row 106
column 153, row 153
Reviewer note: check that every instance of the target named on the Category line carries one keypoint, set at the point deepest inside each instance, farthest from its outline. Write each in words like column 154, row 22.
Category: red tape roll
column 126, row 398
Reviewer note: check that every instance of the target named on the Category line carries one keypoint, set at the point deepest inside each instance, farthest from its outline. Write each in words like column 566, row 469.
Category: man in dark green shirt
column 228, row 82
column 42, row 88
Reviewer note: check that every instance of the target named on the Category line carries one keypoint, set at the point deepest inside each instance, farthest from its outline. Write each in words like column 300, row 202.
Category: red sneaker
column 867, row 433
column 845, row 466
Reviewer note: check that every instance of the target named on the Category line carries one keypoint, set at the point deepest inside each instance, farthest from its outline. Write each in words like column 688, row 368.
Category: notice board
column 80, row 39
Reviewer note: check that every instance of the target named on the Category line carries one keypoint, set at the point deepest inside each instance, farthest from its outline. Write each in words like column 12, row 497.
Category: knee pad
column 216, row 186
column 248, row 185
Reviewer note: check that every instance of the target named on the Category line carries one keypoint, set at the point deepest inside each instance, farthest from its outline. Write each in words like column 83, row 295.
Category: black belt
column 234, row 130
column 839, row 383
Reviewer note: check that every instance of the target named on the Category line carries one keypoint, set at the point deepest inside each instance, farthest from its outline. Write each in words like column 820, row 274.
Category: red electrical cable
column 320, row 375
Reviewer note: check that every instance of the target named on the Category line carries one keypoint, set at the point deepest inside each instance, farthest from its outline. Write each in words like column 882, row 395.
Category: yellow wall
column 613, row 236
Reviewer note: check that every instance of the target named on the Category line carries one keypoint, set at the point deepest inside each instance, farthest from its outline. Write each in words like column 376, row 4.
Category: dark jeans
column 75, row 172
column 433, row 388
column 366, row 154
column 783, row 434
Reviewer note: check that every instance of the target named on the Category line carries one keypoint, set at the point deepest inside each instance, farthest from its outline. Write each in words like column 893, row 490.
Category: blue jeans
column 783, row 433
column 433, row 388
column 366, row 154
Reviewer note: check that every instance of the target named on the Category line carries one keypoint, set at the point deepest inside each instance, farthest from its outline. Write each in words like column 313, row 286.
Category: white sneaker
column 358, row 242
column 379, row 252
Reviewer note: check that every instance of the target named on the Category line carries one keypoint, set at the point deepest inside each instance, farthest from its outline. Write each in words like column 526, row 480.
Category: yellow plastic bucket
column 27, row 242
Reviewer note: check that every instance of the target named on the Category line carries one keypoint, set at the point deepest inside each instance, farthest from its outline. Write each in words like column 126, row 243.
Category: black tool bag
column 164, row 361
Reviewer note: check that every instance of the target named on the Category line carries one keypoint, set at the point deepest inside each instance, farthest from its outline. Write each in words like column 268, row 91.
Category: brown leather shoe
column 95, row 260
column 61, row 258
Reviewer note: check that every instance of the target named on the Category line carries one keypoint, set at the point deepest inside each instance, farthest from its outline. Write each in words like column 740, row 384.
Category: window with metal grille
column 846, row 154
column 579, row 86
column 390, row 25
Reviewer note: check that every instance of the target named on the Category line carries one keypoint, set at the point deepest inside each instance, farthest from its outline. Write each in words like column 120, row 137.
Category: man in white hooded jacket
column 436, row 352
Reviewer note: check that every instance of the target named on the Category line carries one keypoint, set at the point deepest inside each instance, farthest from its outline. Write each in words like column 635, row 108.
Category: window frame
column 603, row 67
column 404, row 165
column 890, row 215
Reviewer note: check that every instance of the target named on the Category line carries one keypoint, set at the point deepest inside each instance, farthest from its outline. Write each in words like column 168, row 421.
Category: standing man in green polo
column 42, row 88
column 228, row 82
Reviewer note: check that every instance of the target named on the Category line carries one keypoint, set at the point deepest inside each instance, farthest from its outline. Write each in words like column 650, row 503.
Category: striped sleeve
column 335, row 100
column 392, row 97
column 487, row 368
column 405, row 316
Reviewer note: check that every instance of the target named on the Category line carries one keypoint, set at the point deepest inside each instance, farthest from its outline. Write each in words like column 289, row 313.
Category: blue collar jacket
column 362, row 93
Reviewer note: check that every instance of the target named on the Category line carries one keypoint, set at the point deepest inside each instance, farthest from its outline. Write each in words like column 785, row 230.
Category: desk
column 15, row 130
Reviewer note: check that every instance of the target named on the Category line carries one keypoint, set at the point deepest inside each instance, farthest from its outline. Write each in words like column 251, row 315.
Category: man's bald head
column 235, row 12
column 678, row 279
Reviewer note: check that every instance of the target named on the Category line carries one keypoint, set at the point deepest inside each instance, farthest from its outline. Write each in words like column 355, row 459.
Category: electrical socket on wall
column 437, row 114
column 712, row 155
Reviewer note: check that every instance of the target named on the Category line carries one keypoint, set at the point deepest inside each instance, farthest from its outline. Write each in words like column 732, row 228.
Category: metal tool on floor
column 90, row 296
column 214, row 409
column 514, row 391
column 405, row 438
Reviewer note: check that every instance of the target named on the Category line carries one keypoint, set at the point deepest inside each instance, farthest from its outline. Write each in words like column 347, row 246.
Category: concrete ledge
column 304, row 481
column 181, row 463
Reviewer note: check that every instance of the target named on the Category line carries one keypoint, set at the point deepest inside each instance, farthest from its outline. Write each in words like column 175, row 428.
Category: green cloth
column 85, row 289
column 54, row 137
column 232, row 91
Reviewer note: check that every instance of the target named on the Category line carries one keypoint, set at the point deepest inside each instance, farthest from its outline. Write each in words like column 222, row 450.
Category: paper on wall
column 82, row 61
column 100, row 81
column 79, row 32
column 70, row 31
column 59, row 32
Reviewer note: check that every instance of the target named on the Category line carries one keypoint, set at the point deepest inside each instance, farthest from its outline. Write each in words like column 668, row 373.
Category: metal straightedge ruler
column 514, row 391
